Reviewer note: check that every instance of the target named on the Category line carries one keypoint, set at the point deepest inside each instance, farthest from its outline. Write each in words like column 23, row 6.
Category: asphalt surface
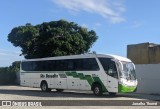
column 73, row 99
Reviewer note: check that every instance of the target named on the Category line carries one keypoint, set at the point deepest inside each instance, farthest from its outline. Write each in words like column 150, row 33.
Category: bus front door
column 112, row 85
column 112, row 80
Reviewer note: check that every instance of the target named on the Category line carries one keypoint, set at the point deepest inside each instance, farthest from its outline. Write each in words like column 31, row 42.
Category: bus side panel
column 59, row 83
column 25, row 81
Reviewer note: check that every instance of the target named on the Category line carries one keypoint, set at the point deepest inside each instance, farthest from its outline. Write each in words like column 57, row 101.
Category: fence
column 148, row 76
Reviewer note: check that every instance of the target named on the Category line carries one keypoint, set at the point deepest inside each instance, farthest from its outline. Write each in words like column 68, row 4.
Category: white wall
column 148, row 76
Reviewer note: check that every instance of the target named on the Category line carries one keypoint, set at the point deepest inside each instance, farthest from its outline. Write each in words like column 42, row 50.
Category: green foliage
column 54, row 38
column 8, row 74
column 15, row 67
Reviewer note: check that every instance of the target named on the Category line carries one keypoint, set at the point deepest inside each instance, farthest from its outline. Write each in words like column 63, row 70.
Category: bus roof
column 120, row 58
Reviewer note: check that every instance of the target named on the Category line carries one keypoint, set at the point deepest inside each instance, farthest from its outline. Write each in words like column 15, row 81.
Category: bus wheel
column 59, row 90
column 44, row 87
column 97, row 90
column 112, row 94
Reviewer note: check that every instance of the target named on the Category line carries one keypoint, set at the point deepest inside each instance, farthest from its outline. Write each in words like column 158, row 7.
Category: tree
column 15, row 67
column 55, row 38
column 8, row 74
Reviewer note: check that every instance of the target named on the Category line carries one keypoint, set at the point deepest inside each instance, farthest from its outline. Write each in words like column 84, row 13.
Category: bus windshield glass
column 128, row 71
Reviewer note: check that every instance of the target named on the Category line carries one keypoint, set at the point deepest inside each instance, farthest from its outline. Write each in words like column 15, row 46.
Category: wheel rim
column 96, row 90
column 44, row 87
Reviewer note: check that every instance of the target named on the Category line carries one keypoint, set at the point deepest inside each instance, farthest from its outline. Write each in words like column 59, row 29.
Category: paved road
column 73, row 97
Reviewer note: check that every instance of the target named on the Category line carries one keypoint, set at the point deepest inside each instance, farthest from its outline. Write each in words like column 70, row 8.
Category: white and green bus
column 95, row 72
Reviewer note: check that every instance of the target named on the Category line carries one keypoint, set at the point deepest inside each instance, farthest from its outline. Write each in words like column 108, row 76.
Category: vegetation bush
column 8, row 74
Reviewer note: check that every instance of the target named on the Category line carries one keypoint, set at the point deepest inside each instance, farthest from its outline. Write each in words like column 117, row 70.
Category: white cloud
column 4, row 54
column 136, row 24
column 109, row 9
column 96, row 25
column 9, row 53
column 9, row 56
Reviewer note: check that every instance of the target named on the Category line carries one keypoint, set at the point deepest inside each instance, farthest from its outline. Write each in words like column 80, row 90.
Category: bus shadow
column 39, row 93
column 35, row 92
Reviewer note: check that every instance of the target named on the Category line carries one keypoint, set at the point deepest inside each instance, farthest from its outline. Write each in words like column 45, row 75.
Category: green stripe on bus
column 89, row 79
column 68, row 73
column 75, row 75
column 81, row 76
column 123, row 89
column 97, row 79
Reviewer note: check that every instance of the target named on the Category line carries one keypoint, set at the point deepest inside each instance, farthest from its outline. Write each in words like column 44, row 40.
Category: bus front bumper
column 124, row 89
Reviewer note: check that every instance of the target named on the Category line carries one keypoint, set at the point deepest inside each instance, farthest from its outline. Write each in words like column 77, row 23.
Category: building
column 146, row 57
column 144, row 53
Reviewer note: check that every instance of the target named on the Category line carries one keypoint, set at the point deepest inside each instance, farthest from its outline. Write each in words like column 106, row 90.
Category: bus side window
column 60, row 65
column 90, row 64
column 109, row 66
column 70, row 65
column 112, row 71
column 78, row 64
column 51, row 65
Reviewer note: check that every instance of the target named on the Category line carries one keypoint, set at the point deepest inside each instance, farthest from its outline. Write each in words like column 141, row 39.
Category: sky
column 118, row 23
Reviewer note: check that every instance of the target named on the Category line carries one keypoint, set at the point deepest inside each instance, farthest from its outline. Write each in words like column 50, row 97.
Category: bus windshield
column 128, row 71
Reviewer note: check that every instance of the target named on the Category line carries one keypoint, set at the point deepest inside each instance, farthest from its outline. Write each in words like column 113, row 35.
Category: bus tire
column 44, row 87
column 59, row 90
column 97, row 90
column 112, row 94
